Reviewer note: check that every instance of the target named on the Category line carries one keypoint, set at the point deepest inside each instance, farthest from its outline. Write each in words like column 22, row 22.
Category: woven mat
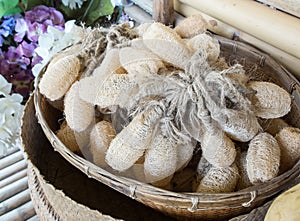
column 15, row 201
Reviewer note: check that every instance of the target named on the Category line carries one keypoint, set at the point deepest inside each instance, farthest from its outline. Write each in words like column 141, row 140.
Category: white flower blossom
column 5, row 87
column 55, row 40
column 73, row 4
column 11, row 111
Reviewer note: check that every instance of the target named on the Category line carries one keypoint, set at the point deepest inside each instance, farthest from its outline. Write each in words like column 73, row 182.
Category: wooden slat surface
column 15, row 201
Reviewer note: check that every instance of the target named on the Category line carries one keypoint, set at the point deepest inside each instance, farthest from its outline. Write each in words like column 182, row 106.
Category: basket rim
column 190, row 201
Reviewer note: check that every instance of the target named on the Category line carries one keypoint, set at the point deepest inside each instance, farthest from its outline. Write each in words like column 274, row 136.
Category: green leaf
column 90, row 11
column 98, row 9
column 12, row 11
column 8, row 6
column 68, row 13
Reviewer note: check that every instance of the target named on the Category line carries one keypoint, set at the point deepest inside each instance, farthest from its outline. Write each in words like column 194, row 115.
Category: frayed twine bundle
column 163, row 94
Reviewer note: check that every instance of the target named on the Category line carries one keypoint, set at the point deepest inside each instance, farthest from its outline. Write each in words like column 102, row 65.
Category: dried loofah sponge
column 138, row 43
column 100, row 138
column 205, row 44
column 74, row 49
column 130, row 144
column 79, row 114
column 160, row 159
column 218, row 149
column 142, row 28
column 191, row 26
column 219, row 180
column 263, row 158
column 71, row 139
column 240, row 125
column 85, row 92
column 115, row 90
column 160, row 39
column 140, row 62
column 110, row 64
column 241, row 163
column 59, row 77
column 270, row 100
column 289, row 141
column 184, row 154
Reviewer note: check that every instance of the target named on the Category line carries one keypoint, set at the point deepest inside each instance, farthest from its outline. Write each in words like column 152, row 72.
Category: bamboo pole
column 14, row 201
column 12, row 169
column 163, row 11
column 292, row 63
column 271, row 26
column 13, row 178
column 19, row 214
column 289, row 6
column 14, row 188
column 11, row 159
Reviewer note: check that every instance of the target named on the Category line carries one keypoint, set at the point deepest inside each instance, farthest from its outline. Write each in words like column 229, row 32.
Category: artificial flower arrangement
column 10, row 116
column 31, row 32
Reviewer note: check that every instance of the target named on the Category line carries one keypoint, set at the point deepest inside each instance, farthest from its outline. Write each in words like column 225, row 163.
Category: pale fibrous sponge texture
column 263, row 158
column 158, row 102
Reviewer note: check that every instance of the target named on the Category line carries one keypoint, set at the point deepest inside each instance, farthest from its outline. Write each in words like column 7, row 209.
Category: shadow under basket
column 197, row 206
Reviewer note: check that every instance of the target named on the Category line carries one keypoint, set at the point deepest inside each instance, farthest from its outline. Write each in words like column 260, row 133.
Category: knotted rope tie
column 253, row 196
column 132, row 189
column 195, row 201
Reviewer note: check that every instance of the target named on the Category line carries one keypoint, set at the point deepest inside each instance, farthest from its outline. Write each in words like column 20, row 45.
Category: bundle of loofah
column 143, row 102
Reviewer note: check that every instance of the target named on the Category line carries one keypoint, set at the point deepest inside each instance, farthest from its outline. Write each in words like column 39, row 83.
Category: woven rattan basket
column 59, row 191
column 192, row 205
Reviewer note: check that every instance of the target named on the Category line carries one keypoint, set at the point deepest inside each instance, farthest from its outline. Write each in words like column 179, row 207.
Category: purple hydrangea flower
column 36, row 22
column 22, row 82
column 14, row 67
column 26, row 49
column 20, row 36
column 35, row 60
column 21, row 29
column 18, row 40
